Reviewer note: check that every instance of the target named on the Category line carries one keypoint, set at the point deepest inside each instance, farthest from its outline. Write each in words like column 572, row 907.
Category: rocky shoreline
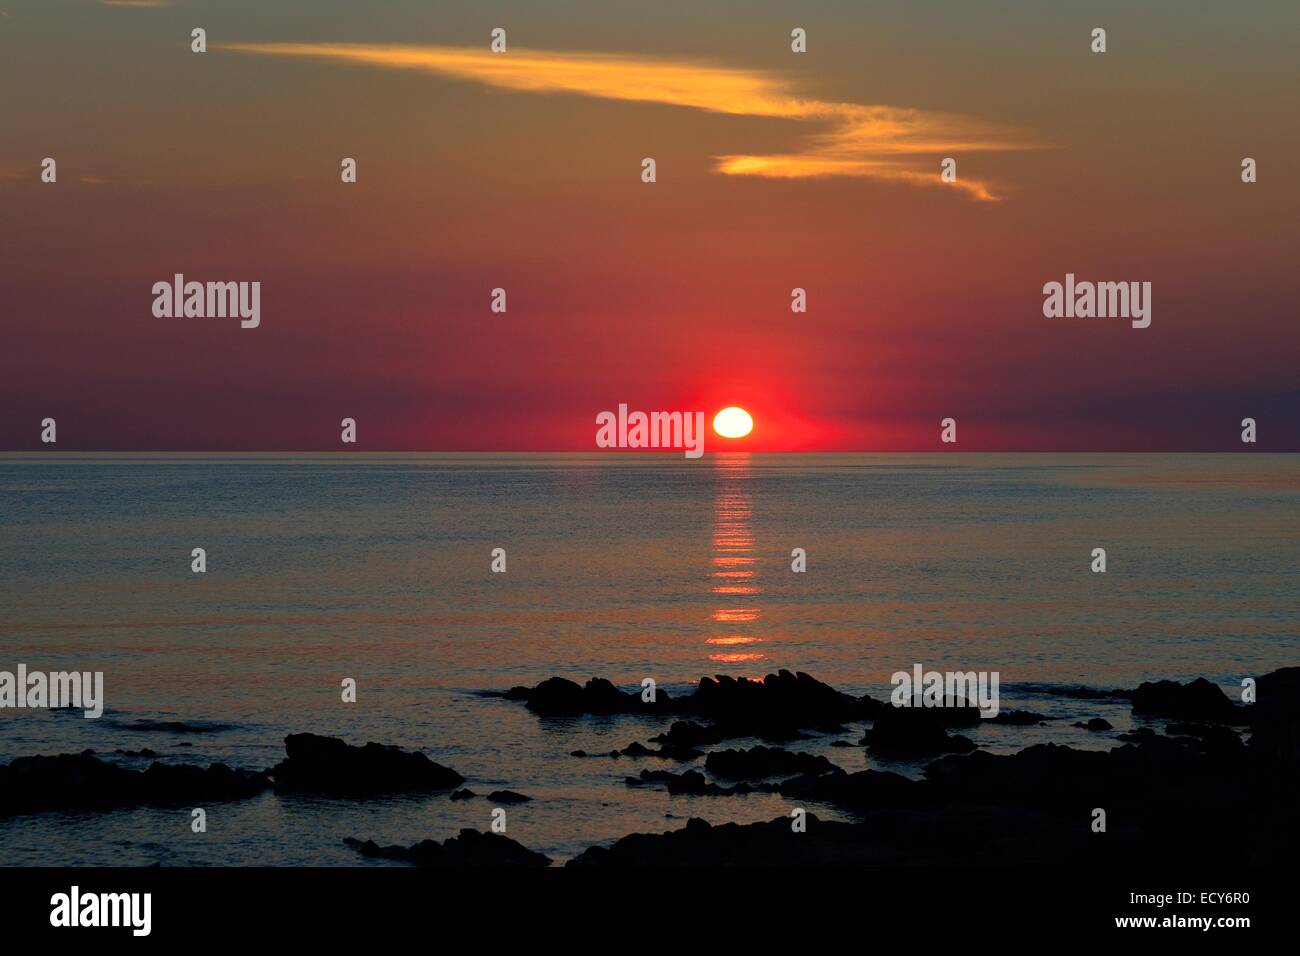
column 1219, row 785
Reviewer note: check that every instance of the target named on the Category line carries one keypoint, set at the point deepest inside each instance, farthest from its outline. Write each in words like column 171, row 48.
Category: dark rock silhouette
column 891, row 838
column 1018, row 718
column 903, row 732
column 687, row 735
column 1275, row 743
column 864, row 790
column 471, row 848
column 666, row 752
column 1196, row 701
column 761, row 762
column 84, row 782
column 780, row 707
column 465, row 794
column 1095, row 723
column 318, row 764
column 173, row 726
column 691, row 783
column 560, row 697
column 507, row 796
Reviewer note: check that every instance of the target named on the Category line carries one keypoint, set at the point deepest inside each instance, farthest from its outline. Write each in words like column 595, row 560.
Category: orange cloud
column 879, row 142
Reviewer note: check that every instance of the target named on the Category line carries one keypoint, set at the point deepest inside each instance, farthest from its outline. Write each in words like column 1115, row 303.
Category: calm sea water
column 626, row 567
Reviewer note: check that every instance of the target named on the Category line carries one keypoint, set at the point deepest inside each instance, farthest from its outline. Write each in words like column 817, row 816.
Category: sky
column 775, row 170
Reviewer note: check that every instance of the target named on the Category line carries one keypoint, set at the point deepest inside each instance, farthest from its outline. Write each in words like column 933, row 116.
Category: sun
column 733, row 422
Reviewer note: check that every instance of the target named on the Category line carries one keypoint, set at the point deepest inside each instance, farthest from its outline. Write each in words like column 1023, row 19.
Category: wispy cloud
column 879, row 142
column 135, row 3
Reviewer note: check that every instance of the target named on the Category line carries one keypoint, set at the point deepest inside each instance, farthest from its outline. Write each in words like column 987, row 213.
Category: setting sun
column 733, row 422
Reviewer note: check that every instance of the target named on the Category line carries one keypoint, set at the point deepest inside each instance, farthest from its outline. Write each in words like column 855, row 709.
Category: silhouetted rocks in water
column 173, row 726
column 1018, row 718
column 691, row 783
column 465, row 794
column 780, row 707
column 559, row 697
column 760, row 762
column 908, row 732
column 687, row 735
column 507, row 796
column 471, row 848
column 84, row 782
column 666, row 752
column 327, row 765
column 1095, row 723
column 864, row 790
column 1196, row 701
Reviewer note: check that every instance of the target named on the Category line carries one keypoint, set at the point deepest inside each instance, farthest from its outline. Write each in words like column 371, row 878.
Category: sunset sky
column 775, row 170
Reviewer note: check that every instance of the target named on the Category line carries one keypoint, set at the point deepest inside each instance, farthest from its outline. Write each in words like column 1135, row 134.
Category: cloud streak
column 877, row 142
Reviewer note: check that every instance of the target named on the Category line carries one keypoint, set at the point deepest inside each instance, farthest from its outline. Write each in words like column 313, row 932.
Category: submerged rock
column 318, row 764
column 471, row 848
column 84, row 782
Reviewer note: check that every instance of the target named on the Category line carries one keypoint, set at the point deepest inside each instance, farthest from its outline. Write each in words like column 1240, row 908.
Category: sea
column 379, row 568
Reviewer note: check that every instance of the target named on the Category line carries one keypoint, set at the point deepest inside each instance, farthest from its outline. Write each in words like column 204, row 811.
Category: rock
column 1275, row 743
column 465, row 794
column 666, row 752
column 560, row 697
column 761, row 762
column 905, row 732
column 864, row 790
column 173, row 726
column 687, row 734
column 1197, row 701
column 1019, row 718
column 691, row 783
column 1095, row 723
column 779, row 707
column 84, row 782
column 471, row 848
column 318, row 764
column 507, row 796
column 890, row 838
column 577, row 753
column 1212, row 738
